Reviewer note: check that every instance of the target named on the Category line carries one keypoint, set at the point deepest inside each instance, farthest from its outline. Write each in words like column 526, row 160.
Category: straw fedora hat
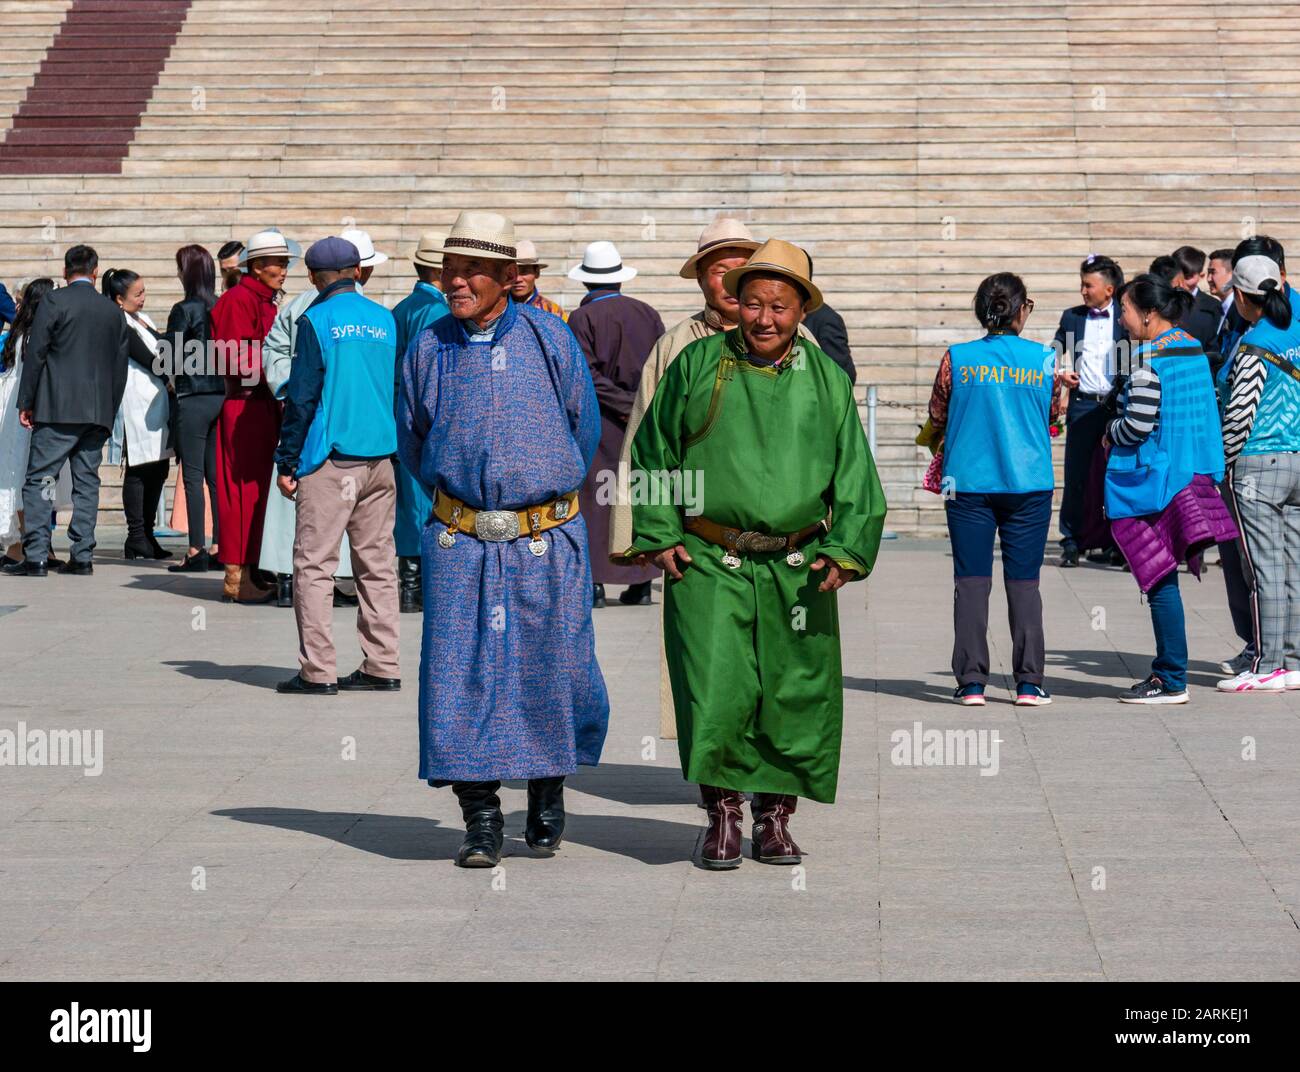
column 482, row 234
column 428, row 253
column 722, row 233
column 777, row 258
column 526, row 255
column 601, row 263
column 370, row 257
column 270, row 243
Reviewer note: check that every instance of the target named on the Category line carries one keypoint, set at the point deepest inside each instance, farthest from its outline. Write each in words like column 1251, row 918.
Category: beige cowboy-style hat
column 482, row 234
column 269, row 243
column 722, row 233
column 428, row 253
column 777, row 258
column 526, row 255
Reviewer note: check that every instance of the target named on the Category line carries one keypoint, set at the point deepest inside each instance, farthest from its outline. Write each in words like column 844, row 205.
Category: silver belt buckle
column 760, row 542
column 496, row 526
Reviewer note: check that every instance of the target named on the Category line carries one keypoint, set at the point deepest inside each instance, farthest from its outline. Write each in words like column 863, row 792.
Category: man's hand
column 1070, row 379
column 836, row 576
column 25, row 418
column 668, row 561
column 288, row 486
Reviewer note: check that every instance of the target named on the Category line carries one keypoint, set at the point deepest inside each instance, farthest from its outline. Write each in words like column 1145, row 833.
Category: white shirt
column 1096, row 357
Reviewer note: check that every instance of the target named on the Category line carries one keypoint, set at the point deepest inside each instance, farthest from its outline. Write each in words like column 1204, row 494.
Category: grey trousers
column 1265, row 503
column 82, row 447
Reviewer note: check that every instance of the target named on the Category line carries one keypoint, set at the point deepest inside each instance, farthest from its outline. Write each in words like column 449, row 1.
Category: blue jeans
column 1166, row 604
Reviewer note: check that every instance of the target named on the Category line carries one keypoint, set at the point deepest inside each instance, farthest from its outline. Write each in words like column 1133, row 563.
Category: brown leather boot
column 771, row 842
column 241, row 588
column 721, row 848
column 230, row 584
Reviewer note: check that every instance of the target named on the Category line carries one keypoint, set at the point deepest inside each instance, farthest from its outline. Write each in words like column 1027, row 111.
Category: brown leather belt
column 735, row 541
column 501, row 526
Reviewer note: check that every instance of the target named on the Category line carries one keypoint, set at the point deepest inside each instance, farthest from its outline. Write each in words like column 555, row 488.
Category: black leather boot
column 484, row 823
column 410, row 597
column 597, row 596
column 284, row 589
column 545, row 827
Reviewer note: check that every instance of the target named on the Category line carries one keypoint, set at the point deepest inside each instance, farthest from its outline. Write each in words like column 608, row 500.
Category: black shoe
column 1152, row 691
column 215, row 564
column 342, row 599
column 76, row 569
column 360, row 681
column 191, row 564
column 137, row 548
column 5, row 560
column 636, row 595
column 284, row 590
column 545, row 827
column 308, row 688
column 409, row 594
column 484, row 824
column 52, row 562
column 159, row 551
column 1069, row 558
column 597, row 596
column 1098, row 556
column 1117, row 558
column 26, row 568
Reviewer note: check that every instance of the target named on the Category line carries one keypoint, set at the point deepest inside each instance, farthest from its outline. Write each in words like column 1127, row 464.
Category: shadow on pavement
column 408, row 837
column 258, row 675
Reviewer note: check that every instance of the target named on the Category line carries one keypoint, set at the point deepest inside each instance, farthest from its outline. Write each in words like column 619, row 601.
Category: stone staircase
column 912, row 147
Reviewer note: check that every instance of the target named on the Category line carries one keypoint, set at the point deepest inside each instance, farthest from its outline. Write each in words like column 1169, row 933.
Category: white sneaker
column 1269, row 681
column 1293, row 679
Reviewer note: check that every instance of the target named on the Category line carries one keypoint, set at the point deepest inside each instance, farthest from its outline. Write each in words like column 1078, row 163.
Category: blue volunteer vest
column 1276, row 429
column 1187, row 439
column 1231, row 342
column 355, row 415
column 997, row 439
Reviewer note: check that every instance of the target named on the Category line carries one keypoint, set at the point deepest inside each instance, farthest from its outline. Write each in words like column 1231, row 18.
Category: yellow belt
column 500, row 526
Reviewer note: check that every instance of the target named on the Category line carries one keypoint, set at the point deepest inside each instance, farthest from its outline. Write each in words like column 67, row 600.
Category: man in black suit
column 827, row 327
column 1185, row 268
column 74, row 373
column 1087, row 335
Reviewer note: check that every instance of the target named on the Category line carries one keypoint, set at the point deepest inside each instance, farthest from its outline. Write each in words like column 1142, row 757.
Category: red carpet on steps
column 93, row 85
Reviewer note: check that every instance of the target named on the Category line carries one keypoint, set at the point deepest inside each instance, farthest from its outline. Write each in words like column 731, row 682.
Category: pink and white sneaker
column 1293, row 679
column 1269, row 681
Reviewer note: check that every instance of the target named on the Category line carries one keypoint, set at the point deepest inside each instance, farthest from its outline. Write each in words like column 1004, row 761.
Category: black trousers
column 1085, row 424
column 141, row 488
column 196, row 423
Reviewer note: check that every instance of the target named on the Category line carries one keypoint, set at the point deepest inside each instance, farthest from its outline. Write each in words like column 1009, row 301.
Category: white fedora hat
column 601, row 263
column 429, row 252
column 482, row 234
column 270, row 243
column 369, row 258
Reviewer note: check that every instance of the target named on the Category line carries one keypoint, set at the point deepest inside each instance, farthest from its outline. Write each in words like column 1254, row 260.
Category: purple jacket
column 1194, row 519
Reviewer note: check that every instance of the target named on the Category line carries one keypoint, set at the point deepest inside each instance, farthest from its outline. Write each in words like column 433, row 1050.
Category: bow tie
column 1098, row 314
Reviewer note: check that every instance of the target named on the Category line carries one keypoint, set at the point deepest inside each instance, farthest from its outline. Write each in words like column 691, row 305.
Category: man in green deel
column 788, row 508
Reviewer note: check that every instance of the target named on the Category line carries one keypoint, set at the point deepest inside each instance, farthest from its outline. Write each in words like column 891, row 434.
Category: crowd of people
column 1181, row 410
column 482, row 456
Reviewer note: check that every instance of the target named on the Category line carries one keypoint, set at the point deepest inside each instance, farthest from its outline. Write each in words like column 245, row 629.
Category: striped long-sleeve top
column 1141, row 409
column 1245, row 388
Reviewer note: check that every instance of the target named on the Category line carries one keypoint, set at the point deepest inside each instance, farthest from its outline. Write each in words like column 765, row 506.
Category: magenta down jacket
column 1194, row 519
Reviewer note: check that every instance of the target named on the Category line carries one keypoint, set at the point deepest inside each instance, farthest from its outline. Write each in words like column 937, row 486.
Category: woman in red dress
column 249, row 427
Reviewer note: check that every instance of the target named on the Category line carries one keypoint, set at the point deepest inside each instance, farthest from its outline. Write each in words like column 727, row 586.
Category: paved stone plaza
column 314, row 866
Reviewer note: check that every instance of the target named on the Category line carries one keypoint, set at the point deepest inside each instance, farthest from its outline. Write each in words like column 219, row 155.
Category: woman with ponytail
column 993, row 403
column 141, row 434
column 1165, row 459
column 1261, row 446
column 15, row 440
